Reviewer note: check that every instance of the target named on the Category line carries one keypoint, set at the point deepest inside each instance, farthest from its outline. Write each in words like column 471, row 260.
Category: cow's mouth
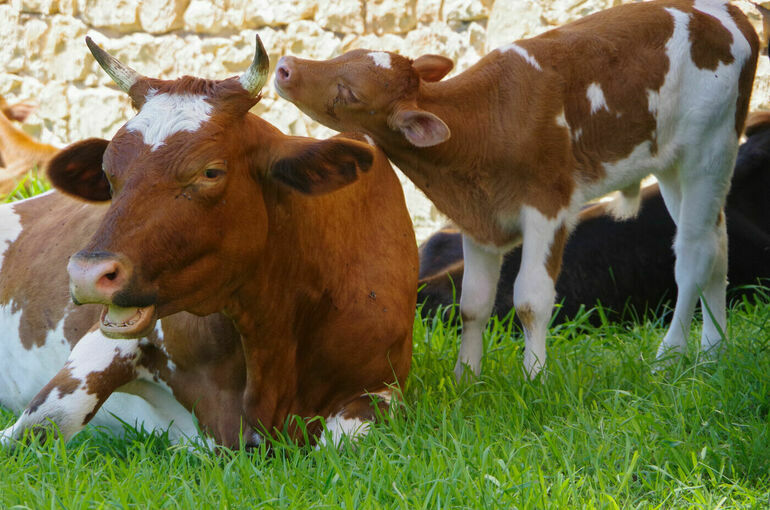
column 129, row 322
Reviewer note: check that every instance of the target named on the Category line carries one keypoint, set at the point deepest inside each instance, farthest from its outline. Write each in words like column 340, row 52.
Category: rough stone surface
column 43, row 57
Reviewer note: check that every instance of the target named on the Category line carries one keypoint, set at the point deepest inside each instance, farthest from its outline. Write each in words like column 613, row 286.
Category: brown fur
column 320, row 323
column 18, row 151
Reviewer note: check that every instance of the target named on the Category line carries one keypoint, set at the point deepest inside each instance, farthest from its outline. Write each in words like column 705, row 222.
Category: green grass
column 601, row 430
column 30, row 185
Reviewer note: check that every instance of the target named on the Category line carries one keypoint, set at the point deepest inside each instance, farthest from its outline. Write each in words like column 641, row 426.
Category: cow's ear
column 432, row 67
column 77, row 170
column 19, row 111
column 314, row 167
column 421, row 128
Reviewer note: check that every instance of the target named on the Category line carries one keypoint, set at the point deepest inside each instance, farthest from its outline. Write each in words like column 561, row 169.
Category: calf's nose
column 96, row 277
column 284, row 70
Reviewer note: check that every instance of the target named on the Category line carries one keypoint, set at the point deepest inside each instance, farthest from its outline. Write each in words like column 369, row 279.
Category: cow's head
column 185, row 178
column 370, row 91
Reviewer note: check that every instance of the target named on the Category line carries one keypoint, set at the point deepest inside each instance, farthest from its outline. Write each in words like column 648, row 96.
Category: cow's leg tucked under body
column 482, row 271
column 96, row 367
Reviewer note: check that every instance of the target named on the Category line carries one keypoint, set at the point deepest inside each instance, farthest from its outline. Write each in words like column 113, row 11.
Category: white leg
column 713, row 301
column 700, row 246
column 534, row 291
column 96, row 366
column 482, row 271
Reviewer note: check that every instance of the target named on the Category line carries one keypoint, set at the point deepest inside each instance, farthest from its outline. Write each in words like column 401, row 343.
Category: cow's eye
column 213, row 173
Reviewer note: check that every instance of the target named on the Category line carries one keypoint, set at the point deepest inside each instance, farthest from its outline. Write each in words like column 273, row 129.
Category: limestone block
column 36, row 6
column 55, row 48
column 457, row 11
column 308, row 39
column 513, row 20
column 11, row 52
column 118, row 15
column 161, row 16
column 438, row 38
column 429, row 11
column 387, row 16
column 206, row 16
column 97, row 112
column 340, row 16
column 387, row 42
column 260, row 13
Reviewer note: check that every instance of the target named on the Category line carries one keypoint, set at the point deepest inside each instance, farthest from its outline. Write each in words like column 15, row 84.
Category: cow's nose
column 96, row 277
column 284, row 70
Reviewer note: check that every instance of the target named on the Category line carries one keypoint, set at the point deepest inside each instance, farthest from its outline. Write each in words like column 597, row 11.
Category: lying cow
column 19, row 152
column 213, row 209
column 511, row 148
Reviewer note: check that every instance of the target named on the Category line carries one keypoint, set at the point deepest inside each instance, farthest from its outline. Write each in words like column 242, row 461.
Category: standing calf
column 512, row 147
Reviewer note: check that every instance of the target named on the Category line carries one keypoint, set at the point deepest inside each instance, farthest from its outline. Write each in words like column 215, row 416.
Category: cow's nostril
column 283, row 73
column 111, row 276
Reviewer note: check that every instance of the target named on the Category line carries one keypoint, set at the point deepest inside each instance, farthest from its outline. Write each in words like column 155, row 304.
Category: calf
column 19, row 152
column 305, row 244
column 541, row 126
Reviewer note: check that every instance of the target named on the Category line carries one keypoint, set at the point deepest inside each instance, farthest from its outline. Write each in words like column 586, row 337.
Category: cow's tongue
column 118, row 316
column 128, row 322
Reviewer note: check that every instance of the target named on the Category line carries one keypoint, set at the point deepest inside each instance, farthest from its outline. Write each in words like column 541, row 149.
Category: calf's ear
column 315, row 167
column 19, row 111
column 421, row 128
column 432, row 67
column 77, row 170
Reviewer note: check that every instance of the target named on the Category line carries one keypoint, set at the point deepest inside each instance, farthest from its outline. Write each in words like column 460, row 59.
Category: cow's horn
column 121, row 74
column 255, row 76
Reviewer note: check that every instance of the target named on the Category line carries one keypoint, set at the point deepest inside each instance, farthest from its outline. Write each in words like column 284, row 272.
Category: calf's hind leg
column 700, row 246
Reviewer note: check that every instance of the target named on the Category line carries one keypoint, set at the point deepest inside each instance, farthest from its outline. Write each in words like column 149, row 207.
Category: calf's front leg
column 534, row 289
column 482, row 271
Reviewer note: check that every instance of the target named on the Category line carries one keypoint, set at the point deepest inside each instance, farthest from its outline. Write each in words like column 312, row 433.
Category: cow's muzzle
column 102, row 278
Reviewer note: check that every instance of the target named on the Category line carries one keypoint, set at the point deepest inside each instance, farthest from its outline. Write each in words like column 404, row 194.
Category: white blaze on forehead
column 596, row 98
column 163, row 115
column 381, row 58
column 523, row 53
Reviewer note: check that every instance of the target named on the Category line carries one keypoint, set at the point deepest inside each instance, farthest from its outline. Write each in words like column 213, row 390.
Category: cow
column 511, row 148
column 19, row 152
column 212, row 209
column 56, row 365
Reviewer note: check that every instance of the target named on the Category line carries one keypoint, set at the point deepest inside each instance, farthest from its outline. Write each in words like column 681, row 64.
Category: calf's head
column 185, row 178
column 371, row 91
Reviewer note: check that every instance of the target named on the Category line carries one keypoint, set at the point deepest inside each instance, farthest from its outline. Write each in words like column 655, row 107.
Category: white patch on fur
column 653, row 102
column 370, row 140
column 163, row 115
column 523, row 53
column 596, row 98
column 338, row 426
column 381, row 58
column 561, row 120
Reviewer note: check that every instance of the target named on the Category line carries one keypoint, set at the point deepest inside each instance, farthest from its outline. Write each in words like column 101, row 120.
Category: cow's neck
column 480, row 140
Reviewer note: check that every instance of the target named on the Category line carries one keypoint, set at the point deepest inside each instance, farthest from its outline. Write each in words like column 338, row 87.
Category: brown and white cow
column 306, row 245
column 517, row 143
column 56, row 366
column 19, row 152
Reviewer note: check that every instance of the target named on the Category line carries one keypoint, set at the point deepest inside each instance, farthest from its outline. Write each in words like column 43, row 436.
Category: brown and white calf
column 56, row 366
column 19, row 152
column 515, row 145
column 305, row 244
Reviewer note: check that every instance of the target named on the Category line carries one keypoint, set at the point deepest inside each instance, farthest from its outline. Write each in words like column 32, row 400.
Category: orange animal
column 19, row 152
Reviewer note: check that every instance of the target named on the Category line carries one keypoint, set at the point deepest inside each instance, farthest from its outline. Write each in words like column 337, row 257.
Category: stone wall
column 43, row 55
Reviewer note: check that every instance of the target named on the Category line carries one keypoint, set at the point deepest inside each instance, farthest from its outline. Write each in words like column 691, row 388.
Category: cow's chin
column 129, row 322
